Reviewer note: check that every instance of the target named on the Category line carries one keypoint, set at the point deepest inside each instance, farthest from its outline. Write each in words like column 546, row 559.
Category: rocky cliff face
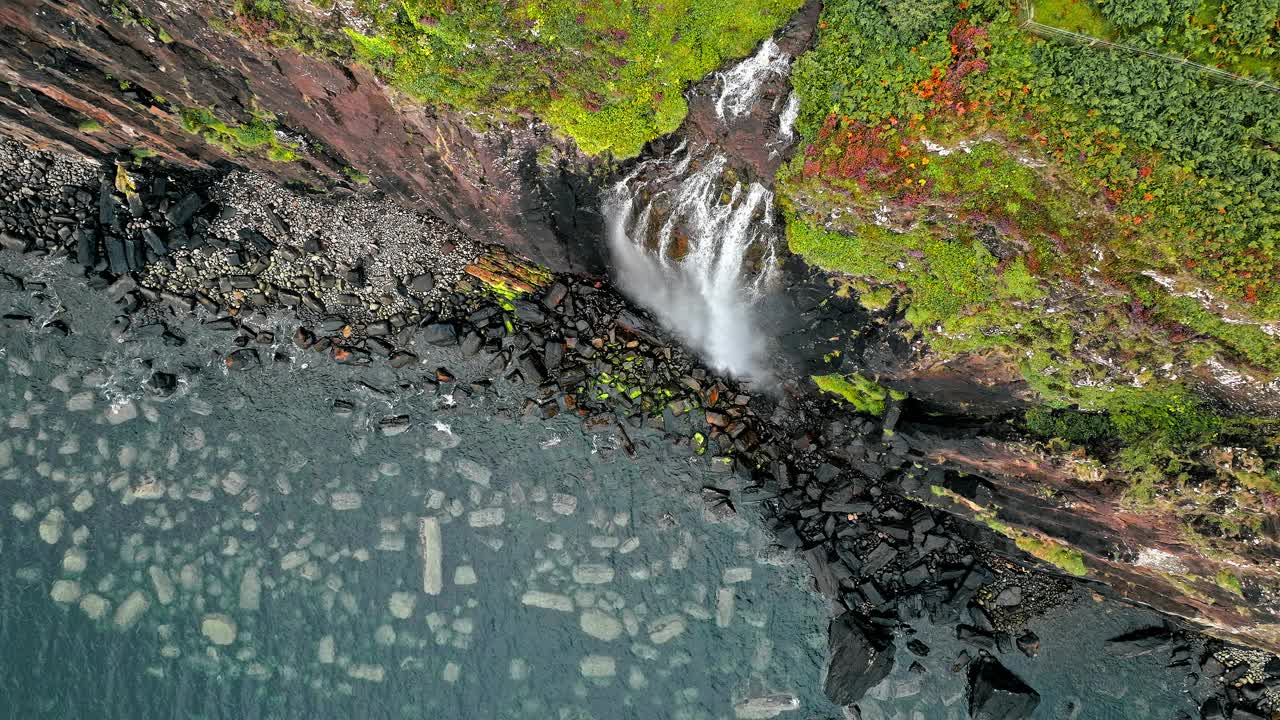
column 99, row 78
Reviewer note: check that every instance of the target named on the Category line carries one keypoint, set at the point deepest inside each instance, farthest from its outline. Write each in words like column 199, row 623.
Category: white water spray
column 740, row 86
column 696, row 273
column 787, row 120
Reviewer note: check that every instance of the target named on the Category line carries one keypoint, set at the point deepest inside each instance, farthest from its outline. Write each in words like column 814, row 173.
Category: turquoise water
column 240, row 550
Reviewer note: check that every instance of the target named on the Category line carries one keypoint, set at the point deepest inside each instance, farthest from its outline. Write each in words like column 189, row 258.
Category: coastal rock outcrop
column 995, row 693
column 860, row 659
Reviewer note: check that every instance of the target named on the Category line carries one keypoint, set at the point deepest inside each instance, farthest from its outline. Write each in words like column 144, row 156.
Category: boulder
column 860, row 658
column 995, row 693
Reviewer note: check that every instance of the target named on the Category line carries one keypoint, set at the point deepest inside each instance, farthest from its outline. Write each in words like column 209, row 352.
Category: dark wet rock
column 117, row 258
column 162, row 384
column 995, row 693
column 553, row 354
column 1009, row 597
column 471, row 343
column 882, row 555
column 555, row 295
column 961, row 662
column 861, row 657
column 717, row 503
column 303, row 338
column 981, row 619
column 182, row 212
column 975, row 636
column 443, row 334
column 401, row 359
column 917, row 668
column 394, row 425
column 529, row 312
column 918, row 648
column 424, row 283
column 9, row 241
column 1029, row 643
column 378, row 329
column 637, row 326
column 531, row 369
column 243, row 359
column 1213, row 709
column 1144, row 641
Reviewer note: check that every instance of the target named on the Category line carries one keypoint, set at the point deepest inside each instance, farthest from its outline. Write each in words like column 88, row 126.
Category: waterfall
column 696, row 244
column 701, row 256
column 787, row 120
column 740, row 86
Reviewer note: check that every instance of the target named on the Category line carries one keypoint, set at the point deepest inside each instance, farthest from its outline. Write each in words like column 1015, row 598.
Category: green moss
column 1061, row 556
column 142, row 153
column 1229, row 582
column 876, row 298
column 89, row 125
column 862, row 393
column 356, row 176
column 258, row 136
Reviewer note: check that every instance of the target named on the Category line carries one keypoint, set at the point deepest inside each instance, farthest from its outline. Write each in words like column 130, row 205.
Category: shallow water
column 573, row 581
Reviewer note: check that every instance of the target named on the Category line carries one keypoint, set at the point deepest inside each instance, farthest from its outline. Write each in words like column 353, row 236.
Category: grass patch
column 1078, row 16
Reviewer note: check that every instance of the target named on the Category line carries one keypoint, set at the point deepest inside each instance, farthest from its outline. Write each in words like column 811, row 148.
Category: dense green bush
column 917, row 18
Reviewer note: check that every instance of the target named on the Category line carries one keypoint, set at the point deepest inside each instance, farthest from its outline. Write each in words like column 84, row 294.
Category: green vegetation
column 1050, row 551
column 1229, row 582
column 274, row 21
column 356, row 176
column 258, row 136
column 609, row 75
column 1241, row 36
column 1078, row 16
column 128, row 17
column 862, row 393
column 1063, row 208
column 89, row 125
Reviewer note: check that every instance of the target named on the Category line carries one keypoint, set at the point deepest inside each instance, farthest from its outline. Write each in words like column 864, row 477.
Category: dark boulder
column 1144, row 641
column 997, row 694
column 424, row 283
column 440, row 334
column 860, row 658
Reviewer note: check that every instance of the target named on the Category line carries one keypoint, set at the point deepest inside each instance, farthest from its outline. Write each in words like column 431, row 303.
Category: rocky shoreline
column 367, row 283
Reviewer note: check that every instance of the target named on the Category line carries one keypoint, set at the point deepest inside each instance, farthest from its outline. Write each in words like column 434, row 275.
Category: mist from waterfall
column 707, row 295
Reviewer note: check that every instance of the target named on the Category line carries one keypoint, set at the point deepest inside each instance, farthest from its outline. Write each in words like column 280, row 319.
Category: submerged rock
column 995, row 693
column 432, row 557
column 600, row 625
column 768, row 706
column 218, row 628
column 131, row 609
column 860, row 659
